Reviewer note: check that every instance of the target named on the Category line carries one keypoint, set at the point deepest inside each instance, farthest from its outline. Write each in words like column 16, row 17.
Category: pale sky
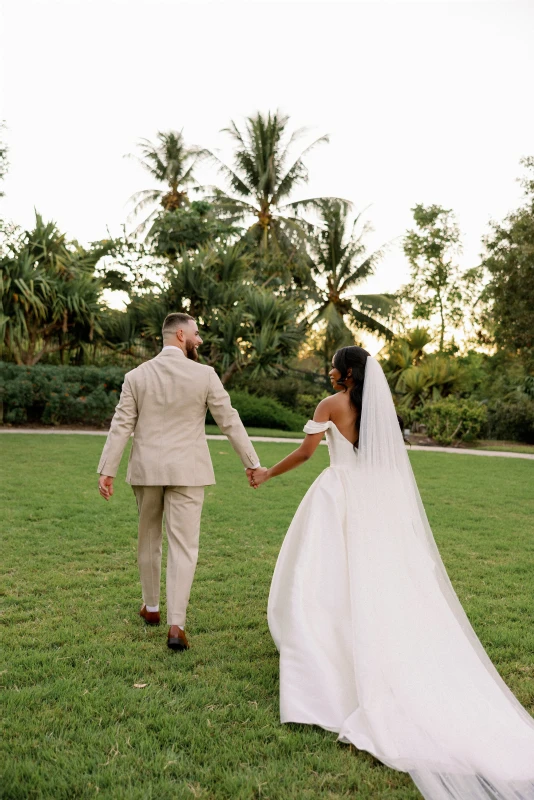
column 425, row 102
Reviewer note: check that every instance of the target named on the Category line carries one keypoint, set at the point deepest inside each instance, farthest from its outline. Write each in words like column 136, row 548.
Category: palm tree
column 49, row 294
column 169, row 161
column 340, row 263
column 262, row 180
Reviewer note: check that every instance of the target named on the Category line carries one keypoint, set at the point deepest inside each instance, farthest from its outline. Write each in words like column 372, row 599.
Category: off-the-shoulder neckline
column 332, row 424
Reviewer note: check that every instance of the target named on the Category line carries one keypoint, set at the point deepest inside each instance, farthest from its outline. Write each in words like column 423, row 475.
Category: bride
column 373, row 641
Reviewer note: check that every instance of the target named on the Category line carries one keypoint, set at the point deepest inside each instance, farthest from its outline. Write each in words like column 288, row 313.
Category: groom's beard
column 190, row 350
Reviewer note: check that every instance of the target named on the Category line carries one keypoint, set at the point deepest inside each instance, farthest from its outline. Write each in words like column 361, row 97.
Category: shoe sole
column 149, row 622
column 176, row 644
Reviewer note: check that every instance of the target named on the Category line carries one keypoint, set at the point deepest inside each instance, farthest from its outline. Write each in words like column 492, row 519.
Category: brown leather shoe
column 150, row 617
column 176, row 639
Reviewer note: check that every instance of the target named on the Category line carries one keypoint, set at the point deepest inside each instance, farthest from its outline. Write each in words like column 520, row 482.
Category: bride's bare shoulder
column 324, row 409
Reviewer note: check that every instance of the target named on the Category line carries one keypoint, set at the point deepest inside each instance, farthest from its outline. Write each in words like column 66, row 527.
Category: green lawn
column 482, row 444
column 506, row 447
column 271, row 432
column 206, row 725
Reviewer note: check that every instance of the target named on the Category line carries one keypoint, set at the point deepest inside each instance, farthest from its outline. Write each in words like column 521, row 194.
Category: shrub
column 59, row 395
column 56, row 395
column 264, row 412
column 452, row 419
column 512, row 420
column 307, row 403
column 286, row 389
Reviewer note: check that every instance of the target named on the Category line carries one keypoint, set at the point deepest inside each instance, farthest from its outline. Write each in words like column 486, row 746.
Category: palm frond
column 370, row 323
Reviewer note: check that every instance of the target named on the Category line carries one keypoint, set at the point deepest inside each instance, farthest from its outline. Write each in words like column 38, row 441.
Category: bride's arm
column 302, row 453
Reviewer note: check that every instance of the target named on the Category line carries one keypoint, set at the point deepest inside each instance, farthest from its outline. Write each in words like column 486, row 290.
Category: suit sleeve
column 229, row 422
column 120, row 430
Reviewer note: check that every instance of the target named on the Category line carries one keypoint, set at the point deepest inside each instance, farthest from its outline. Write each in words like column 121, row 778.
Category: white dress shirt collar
column 172, row 347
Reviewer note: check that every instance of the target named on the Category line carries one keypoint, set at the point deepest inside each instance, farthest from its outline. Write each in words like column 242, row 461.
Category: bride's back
column 343, row 415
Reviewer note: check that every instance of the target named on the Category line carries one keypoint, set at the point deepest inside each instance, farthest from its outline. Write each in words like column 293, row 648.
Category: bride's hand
column 259, row 476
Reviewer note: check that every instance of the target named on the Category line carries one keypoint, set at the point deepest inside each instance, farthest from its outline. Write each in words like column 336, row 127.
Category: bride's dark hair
column 353, row 358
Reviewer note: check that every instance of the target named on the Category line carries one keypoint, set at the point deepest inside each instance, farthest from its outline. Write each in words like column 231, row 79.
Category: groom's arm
column 229, row 422
column 120, row 430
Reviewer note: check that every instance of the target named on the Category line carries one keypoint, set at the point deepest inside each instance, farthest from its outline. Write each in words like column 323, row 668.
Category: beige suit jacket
column 163, row 403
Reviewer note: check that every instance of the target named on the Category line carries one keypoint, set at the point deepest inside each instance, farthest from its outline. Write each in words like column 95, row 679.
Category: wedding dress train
column 373, row 641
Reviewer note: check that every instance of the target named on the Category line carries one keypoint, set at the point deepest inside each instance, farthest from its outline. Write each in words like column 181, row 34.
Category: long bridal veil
column 430, row 701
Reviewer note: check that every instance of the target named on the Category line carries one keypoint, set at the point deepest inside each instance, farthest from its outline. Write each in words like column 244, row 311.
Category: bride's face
column 335, row 376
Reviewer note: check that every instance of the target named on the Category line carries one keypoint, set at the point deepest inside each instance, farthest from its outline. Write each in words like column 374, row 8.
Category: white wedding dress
column 373, row 641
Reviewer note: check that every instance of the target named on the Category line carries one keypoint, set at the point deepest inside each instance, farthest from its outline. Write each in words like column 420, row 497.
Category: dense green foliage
column 416, row 376
column 274, row 283
column 510, row 263
column 435, row 286
column 295, row 391
column 68, row 395
column 189, row 228
column 452, row 420
column 206, row 725
column 264, row 412
column 49, row 294
column 244, row 326
column 487, row 396
column 59, row 395
column 512, row 419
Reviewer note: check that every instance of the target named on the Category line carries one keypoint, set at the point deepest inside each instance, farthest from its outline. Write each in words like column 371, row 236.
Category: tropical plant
column 170, row 161
column 416, row 376
column 49, row 294
column 438, row 376
column 262, row 180
column 404, row 353
column 512, row 419
column 243, row 326
column 189, row 228
column 453, row 420
column 340, row 263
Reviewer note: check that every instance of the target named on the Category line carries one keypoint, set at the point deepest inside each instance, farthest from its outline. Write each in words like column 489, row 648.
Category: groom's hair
column 174, row 321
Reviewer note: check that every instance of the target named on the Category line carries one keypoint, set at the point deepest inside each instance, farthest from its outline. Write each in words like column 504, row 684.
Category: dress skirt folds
column 375, row 646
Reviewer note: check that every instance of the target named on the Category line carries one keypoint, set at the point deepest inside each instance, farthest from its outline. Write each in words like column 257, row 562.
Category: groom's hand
column 259, row 476
column 250, row 477
column 105, row 486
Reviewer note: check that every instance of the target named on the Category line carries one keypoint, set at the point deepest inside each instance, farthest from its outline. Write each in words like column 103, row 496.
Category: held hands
column 105, row 486
column 257, row 476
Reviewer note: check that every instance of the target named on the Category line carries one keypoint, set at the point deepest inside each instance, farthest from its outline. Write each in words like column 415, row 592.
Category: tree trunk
column 232, row 369
column 442, row 328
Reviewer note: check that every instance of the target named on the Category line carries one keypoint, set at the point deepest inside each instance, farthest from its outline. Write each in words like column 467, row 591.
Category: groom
column 163, row 403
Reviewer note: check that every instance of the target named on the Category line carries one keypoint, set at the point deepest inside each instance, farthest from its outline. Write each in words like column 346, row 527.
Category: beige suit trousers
column 182, row 506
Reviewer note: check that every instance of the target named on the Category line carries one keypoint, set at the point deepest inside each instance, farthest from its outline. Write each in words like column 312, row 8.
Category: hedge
column 54, row 395
column 452, row 420
column 513, row 420
column 264, row 412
